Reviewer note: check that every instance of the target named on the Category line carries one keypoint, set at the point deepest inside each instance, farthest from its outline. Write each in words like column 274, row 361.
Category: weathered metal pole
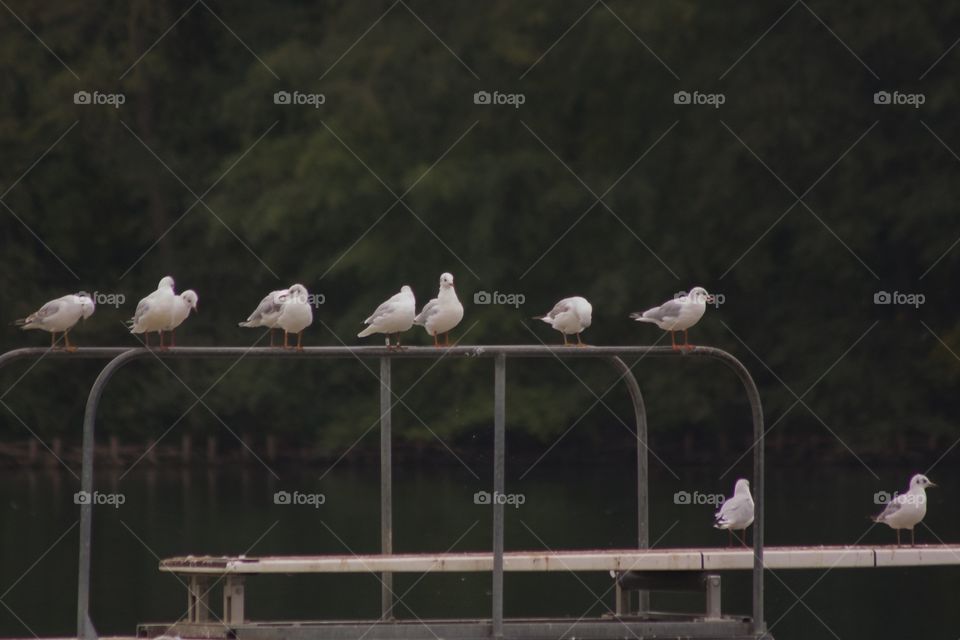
column 386, row 487
column 499, row 482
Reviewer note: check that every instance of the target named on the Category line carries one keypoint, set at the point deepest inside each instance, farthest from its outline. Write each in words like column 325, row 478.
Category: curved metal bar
column 500, row 352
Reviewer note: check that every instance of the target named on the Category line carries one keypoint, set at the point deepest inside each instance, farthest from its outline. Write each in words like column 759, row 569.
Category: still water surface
column 231, row 511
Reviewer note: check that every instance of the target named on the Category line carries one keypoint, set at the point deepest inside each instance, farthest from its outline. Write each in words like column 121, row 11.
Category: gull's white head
column 406, row 289
column 166, row 283
column 446, row 280
column 87, row 306
column 742, row 487
column 190, row 297
column 920, row 482
column 699, row 295
column 297, row 293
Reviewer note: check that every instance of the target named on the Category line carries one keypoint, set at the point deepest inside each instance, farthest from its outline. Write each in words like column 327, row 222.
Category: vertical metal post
column 643, row 488
column 386, row 487
column 712, row 584
column 84, row 627
column 499, row 454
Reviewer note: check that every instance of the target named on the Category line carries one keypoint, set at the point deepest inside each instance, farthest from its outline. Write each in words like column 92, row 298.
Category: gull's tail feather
column 369, row 331
column 639, row 317
column 246, row 324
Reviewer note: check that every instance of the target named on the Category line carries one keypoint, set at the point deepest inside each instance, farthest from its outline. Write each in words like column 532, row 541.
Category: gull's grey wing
column 561, row 307
column 670, row 309
column 46, row 311
column 142, row 309
column 735, row 508
column 429, row 309
column 270, row 304
column 892, row 507
column 384, row 309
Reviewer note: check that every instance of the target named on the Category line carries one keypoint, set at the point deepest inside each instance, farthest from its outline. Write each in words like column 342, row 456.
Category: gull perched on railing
column 154, row 312
column 295, row 314
column 394, row 316
column 569, row 316
column 442, row 313
column 267, row 312
column 736, row 513
column 59, row 316
column 678, row 314
column 183, row 304
column 906, row 510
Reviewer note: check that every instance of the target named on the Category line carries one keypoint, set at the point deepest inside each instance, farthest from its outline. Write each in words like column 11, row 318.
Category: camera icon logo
column 481, row 497
column 681, row 97
column 881, row 497
column 681, row 497
column 281, row 97
column 281, row 497
column 882, row 297
column 881, row 97
column 482, row 297
column 81, row 497
column 81, row 97
column 482, row 97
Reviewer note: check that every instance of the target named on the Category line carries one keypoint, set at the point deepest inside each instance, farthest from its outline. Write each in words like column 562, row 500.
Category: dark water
column 227, row 511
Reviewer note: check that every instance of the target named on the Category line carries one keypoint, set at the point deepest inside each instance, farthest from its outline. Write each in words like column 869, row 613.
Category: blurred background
column 799, row 160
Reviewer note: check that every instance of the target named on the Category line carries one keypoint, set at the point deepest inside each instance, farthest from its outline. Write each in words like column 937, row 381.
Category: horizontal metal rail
column 121, row 356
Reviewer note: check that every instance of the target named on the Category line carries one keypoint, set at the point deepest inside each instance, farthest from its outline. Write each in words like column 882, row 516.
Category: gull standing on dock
column 154, row 312
column 267, row 312
column 59, row 316
column 394, row 316
column 678, row 314
column 442, row 313
column 570, row 316
column 183, row 304
column 906, row 510
column 736, row 513
column 295, row 314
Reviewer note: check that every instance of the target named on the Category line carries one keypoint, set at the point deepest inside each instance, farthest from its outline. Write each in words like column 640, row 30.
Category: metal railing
column 120, row 356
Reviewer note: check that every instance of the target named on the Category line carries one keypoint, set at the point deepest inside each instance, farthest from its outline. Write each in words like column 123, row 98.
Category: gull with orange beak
column 442, row 313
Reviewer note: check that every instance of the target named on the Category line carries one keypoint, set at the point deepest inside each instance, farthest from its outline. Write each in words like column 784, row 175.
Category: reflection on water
column 226, row 511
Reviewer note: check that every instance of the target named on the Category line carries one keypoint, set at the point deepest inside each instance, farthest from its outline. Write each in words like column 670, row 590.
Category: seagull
column 678, row 314
column 394, row 316
column 182, row 305
column 443, row 313
column 154, row 312
column 569, row 316
column 267, row 312
column 906, row 510
column 59, row 316
column 295, row 314
column 736, row 513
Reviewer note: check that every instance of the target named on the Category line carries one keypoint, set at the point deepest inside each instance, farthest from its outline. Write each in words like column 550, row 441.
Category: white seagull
column 295, row 314
column 906, row 510
column 736, row 513
column 443, row 313
column 183, row 304
column 678, row 314
column 154, row 312
column 267, row 312
column 569, row 316
column 59, row 316
column 394, row 316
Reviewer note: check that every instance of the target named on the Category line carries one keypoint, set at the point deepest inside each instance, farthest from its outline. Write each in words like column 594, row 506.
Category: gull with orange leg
column 183, row 304
column 442, row 313
column 60, row 316
column 154, row 312
column 393, row 317
column 906, row 510
column 736, row 513
column 267, row 312
column 678, row 314
column 570, row 316
column 295, row 315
